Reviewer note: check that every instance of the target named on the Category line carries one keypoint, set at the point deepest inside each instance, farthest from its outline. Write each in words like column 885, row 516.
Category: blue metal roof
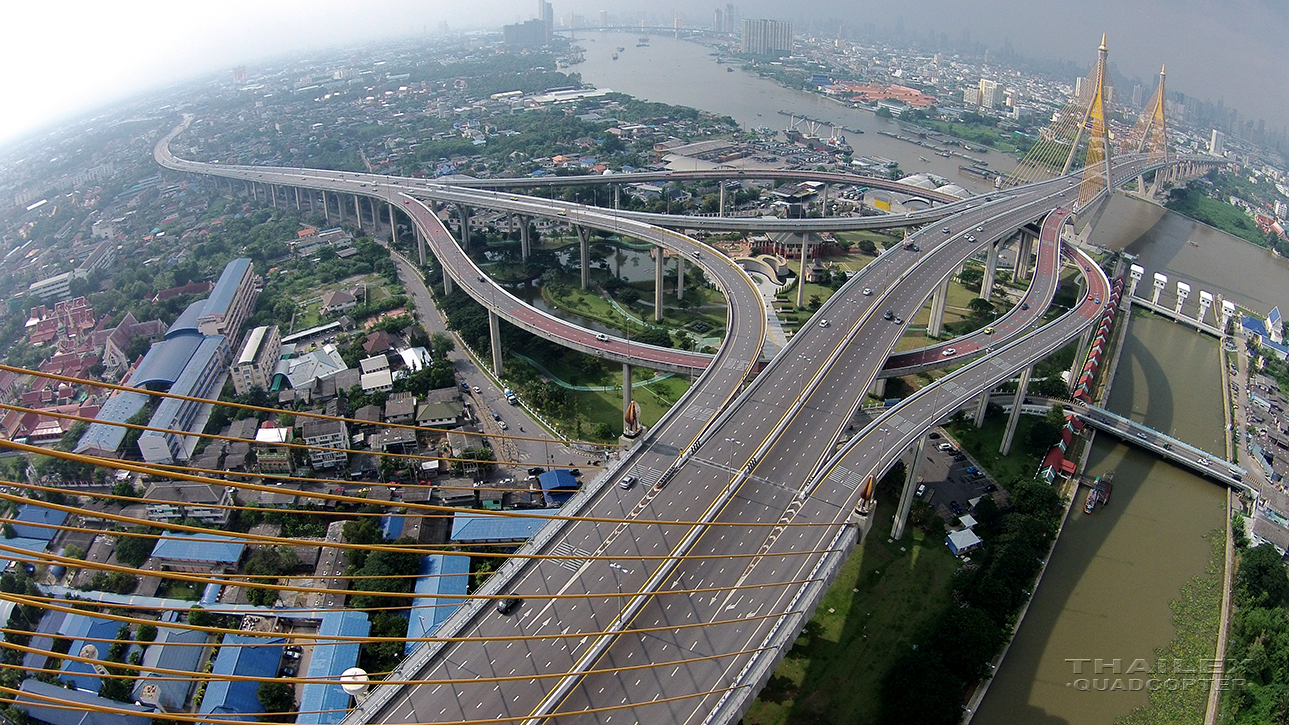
column 558, row 486
column 170, row 651
column 164, row 363
column 33, row 545
column 331, row 660
column 199, row 547
column 226, row 288
column 30, row 513
column 193, row 381
column 186, row 322
column 1259, row 327
column 78, row 627
column 118, row 409
column 441, row 589
column 392, row 526
column 48, row 703
column 227, row 699
column 481, row 526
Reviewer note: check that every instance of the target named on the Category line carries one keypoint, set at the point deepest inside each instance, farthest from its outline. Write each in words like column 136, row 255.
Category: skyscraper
column 546, row 14
column 989, row 95
column 767, row 37
column 1216, row 142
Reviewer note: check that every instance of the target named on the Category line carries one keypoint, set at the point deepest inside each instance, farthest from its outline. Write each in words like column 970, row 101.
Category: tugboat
column 1100, row 493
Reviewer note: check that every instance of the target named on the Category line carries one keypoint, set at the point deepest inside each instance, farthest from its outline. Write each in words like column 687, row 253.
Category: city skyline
column 96, row 56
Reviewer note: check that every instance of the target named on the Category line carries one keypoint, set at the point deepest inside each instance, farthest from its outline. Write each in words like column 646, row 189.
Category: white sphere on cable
column 354, row 681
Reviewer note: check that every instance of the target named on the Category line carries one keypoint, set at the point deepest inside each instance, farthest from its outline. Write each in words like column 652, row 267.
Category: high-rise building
column 989, row 93
column 1216, row 142
column 971, row 96
column 546, row 14
column 767, row 37
column 718, row 21
column 731, row 18
column 604, row 18
column 1137, row 95
column 532, row 34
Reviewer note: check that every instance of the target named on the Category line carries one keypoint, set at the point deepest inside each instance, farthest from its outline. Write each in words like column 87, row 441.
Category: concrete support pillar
column 680, row 277
column 494, row 331
column 525, row 237
column 801, row 278
column 991, row 270
column 420, row 244
column 447, row 283
column 657, row 283
column 626, row 392
column 310, row 195
column 326, row 208
column 358, row 213
column 393, row 228
column 297, row 199
column 617, row 196
column 720, row 208
column 1080, row 357
column 273, row 195
column 584, row 245
column 938, row 300
column 1014, row 418
column 910, row 487
column 463, row 214
column 1024, row 248
column 823, row 208
column 982, row 407
column 879, row 388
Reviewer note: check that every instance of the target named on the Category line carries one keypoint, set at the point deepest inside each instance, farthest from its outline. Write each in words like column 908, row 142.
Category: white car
column 602, row 337
column 948, row 352
column 868, row 291
column 823, row 323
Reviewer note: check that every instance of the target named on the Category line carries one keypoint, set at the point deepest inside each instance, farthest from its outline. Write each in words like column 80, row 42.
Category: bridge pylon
column 1079, row 131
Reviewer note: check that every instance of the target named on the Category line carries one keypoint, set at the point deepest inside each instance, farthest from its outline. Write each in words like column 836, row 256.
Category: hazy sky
column 67, row 57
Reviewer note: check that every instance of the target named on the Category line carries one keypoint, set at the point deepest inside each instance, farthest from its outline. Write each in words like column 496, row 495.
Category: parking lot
column 951, row 477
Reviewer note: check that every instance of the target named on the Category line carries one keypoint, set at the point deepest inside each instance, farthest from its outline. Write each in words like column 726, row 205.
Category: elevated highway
column 735, row 475
column 1016, row 322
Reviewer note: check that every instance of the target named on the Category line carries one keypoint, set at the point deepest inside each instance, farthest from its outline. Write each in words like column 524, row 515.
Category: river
column 1113, row 574
column 1108, row 586
column 683, row 73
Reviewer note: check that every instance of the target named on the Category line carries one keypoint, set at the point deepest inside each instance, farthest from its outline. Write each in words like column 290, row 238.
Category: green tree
column 1261, row 580
column 276, row 697
column 980, row 306
column 966, row 640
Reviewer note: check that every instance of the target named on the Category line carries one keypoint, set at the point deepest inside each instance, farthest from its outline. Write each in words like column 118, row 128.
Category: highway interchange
column 741, row 473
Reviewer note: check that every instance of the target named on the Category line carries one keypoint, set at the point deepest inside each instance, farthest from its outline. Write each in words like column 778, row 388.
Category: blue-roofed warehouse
column 492, row 528
column 49, row 703
column 32, row 545
column 204, row 369
column 230, row 700
column 440, row 590
column 186, row 322
column 104, row 439
column 172, row 650
column 330, row 661
column 558, row 486
column 86, row 632
column 25, row 524
column 164, row 363
column 200, row 550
